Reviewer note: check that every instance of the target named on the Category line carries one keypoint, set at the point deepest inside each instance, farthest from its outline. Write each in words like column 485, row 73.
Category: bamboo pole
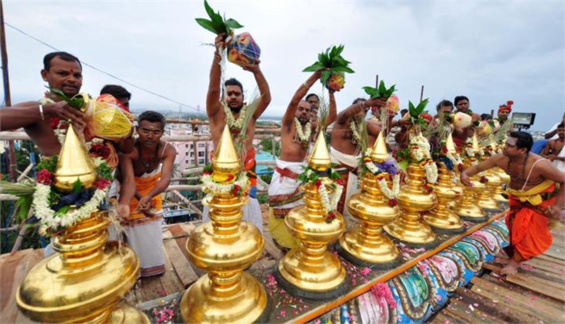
column 422, row 93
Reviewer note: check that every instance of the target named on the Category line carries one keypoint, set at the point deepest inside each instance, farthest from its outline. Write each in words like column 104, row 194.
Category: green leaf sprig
column 217, row 24
column 330, row 61
column 381, row 91
column 416, row 111
column 76, row 102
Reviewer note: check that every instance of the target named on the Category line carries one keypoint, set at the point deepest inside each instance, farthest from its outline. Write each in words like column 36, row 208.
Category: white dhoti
column 347, row 167
column 284, row 195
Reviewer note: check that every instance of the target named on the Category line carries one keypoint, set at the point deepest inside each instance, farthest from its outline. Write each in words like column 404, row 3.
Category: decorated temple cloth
column 560, row 164
column 284, row 194
column 529, row 227
column 252, row 210
column 347, row 167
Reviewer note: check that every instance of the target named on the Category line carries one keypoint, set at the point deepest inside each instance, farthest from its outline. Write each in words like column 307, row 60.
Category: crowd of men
column 146, row 161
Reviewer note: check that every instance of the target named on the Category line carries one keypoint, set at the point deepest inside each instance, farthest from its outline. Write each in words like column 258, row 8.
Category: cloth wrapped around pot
column 243, row 50
column 106, row 119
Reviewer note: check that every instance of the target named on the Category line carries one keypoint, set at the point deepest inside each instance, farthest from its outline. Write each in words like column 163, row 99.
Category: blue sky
column 490, row 51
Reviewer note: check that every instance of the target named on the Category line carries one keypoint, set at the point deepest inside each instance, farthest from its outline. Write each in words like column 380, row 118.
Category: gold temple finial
column 450, row 145
column 475, row 143
column 226, row 160
column 380, row 153
column 320, row 157
column 74, row 164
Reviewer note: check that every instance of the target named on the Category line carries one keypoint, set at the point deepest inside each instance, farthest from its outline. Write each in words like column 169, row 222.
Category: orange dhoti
column 528, row 226
column 144, row 233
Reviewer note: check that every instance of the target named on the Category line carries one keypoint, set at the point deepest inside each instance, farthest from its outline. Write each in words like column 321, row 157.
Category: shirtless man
column 219, row 116
column 533, row 197
column 284, row 193
column 344, row 148
column 61, row 71
column 460, row 135
column 554, row 150
column 146, row 173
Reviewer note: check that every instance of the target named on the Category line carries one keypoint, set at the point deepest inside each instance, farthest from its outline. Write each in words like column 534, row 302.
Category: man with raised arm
column 233, row 113
column 536, row 194
column 297, row 132
column 146, row 174
column 344, row 145
column 40, row 118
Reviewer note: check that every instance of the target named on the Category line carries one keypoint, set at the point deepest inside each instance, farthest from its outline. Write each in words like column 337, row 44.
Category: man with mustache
column 536, row 194
column 233, row 113
column 297, row 133
column 61, row 71
column 146, row 173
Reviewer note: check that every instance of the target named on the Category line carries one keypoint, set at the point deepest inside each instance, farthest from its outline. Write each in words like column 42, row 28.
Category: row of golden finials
column 86, row 280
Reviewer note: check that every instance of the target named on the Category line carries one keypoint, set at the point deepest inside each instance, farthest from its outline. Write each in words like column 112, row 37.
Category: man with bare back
column 344, row 145
column 536, row 194
column 297, row 132
column 233, row 113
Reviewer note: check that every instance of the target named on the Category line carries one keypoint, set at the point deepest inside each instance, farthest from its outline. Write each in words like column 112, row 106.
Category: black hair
column 152, row 117
column 358, row 100
column 459, row 98
column 312, row 95
column 444, row 103
column 561, row 125
column 403, row 112
column 523, row 140
column 234, row 82
column 62, row 55
column 486, row 117
column 116, row 91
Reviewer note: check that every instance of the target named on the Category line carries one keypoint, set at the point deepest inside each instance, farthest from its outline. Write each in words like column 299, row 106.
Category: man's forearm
column 549, row 135
column 22, row 116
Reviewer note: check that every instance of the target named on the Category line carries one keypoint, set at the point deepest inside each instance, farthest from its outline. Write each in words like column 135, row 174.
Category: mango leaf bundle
column 334, row 67
column 77, row 102
column 381, row 91
column 217, row 24
column 419, row 116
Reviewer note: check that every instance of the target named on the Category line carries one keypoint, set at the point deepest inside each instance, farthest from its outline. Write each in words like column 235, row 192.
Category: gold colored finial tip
column 74, row 164
column 226, row 160
column 450, row 144
column 380, row 153
column 320, row 158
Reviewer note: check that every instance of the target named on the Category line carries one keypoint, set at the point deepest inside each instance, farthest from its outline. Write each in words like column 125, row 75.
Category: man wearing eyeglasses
column 146, row 174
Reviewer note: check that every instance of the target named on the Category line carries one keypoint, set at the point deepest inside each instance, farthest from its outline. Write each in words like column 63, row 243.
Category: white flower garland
column 355, row 131
column 232, row 123
column 47, row 216
column 330, row 204
column 212, row 187
column 431, row 171
column 304, row 136
column 423, row 151
column 390, row 194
